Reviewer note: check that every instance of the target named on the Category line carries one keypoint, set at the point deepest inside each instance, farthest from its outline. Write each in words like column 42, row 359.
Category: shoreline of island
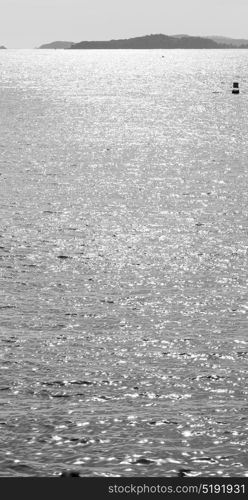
column 157, row 41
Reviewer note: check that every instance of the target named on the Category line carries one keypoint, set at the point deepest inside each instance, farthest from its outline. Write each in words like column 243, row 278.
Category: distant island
column 155, row 42
column 2, row 47
column 234, row 42
column 160, row 42
column 57, row 45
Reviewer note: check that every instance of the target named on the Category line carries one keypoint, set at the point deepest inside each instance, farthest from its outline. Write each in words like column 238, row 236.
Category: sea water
column 123, row 244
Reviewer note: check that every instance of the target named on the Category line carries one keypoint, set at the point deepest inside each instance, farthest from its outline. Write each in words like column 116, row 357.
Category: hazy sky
column 29, row 23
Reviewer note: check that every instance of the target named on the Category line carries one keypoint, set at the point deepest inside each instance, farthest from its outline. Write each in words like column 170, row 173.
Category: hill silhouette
column 158, row 41
column 2, row 47
column 154, row 42
column 56, row 45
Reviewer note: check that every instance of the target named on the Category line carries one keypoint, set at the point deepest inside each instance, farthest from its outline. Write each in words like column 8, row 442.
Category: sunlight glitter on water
column 123, row 251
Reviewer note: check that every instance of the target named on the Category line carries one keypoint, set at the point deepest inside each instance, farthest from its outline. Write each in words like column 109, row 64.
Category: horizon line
column 127, row 38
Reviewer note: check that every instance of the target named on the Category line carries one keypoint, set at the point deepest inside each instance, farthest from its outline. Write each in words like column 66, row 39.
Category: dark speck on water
column 69, row 474
column 183, row 472
column 143, row 461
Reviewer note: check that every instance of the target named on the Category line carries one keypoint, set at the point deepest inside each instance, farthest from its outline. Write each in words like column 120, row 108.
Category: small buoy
column 235, row 89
